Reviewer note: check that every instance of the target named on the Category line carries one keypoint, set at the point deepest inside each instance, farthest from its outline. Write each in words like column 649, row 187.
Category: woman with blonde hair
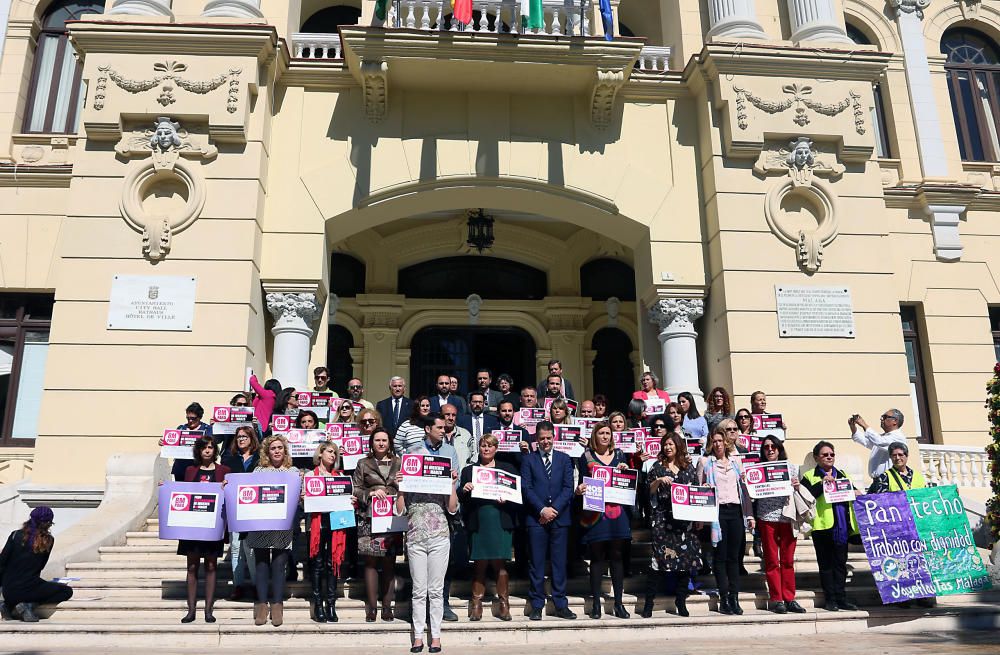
column 346, row 413
column 271, row 548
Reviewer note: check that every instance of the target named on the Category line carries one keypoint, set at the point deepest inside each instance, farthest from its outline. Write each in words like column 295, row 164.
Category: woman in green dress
column 490, row 525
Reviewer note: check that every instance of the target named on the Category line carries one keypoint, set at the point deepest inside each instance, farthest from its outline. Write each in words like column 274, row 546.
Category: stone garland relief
column 801, row 163
column 163, row 195
column 169, row 76
column 797, row 96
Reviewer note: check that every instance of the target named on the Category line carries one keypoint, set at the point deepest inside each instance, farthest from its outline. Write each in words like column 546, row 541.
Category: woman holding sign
column 271, row 548
column 832, row 526
column 204, row 469
column 729, row 534
column 375, row 479
column 777, row 535
column 676, row 549
column 605, row 533
column 490, row 524
column 242, row 456
column 326, row 545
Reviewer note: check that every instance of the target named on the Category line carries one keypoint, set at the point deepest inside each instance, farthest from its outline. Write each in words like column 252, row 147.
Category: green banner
column 949, row 548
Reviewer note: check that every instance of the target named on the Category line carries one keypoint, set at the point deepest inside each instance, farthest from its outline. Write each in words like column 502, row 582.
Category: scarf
column 841, row 522
column 338, row 538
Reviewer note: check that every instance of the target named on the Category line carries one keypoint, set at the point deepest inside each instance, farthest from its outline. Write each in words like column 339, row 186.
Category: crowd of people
column 462, row 535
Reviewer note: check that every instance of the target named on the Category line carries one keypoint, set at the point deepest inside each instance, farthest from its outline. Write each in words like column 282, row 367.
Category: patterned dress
column 276, row 539
column 675, row 544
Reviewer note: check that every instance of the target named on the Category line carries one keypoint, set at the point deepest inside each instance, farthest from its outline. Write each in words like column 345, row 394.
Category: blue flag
column 609, row 20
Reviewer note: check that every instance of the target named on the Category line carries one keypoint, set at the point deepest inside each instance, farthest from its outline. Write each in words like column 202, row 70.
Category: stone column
column 816, row 20
column 142, row 8
column 734, row 19
column 232, row 9
column 294, row 314
column 678, row 344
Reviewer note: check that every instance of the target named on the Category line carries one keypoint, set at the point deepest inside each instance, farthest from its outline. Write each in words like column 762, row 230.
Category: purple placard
column 262, row 501
column 593, row 494
column 191, row 510
column 893, row 547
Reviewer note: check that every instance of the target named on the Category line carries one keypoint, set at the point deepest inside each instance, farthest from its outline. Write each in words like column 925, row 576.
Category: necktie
column 395, row 411
column 548, row 465
column 478, row 426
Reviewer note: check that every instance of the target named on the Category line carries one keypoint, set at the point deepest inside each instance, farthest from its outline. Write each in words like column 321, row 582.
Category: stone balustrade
column 654, row 59
column 964, row 466
column 562, row 17
column 317, row 46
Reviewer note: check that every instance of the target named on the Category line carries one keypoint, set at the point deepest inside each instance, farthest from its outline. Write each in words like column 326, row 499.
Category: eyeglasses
column 192, row 419
column 243, row 436
column 356, row 386
column 731, row 429
column 885, row 416
column 368, row 421
column 826, row 455
column 322, row 377
column 659, row 426
column 769, row 446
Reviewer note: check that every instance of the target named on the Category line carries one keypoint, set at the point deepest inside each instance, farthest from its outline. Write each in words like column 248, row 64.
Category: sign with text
column 655, row 406
column 765, row 425
column 303, row 443
column 282, row 423
column 427, row 474
column 651, row 446
column 694, row 503
column 749, row 441
column 568, row 440
column 768, row 479
column 495, row 484
column 893, row 547
column 619, row 486
column 814, row 311
column 152, row 302
column 328, row 493
column 593, row 495
column 628, row 440
column 840, row 490
column 178, row 444
column 193, row 511
column 586, row 424
column 226, row 420
column 313, row 399
column 261, row 500
column 353, row 448
column 529, row 417
column 745, row 459
column 508, row 441
column 384, row 517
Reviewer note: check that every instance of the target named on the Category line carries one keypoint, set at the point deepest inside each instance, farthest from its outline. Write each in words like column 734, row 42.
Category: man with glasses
column 397, row 407
column 355, row 391
column 443, row 396
column 477, row 422
column 321, row 380
column 879, row 461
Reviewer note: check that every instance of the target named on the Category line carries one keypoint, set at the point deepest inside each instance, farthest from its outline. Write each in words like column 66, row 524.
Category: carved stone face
column 165, row 135
column 802, row 154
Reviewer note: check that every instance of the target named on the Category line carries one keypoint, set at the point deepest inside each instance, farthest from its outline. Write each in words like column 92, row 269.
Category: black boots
column 316, row 574
column 734, row 603
column 26, row 612
column 331, row 596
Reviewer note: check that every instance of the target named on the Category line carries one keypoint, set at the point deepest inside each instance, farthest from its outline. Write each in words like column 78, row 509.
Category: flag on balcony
column 461, row 10
column 608, row 17
column 380, row 8
column 532, row 17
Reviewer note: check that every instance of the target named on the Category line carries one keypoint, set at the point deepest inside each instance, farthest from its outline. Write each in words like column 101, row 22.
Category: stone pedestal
column 816, row 20
column 675, row 318
column 734, row 19
column 293, row 314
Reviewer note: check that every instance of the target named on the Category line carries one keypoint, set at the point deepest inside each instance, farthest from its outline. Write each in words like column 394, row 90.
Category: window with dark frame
column 24, row 339
column 882, row 148
column 995, row 328
column 56, row 92
column 921, row 428
column 973, row 72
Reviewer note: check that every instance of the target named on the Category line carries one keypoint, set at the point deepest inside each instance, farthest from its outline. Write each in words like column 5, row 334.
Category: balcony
column 562, row 17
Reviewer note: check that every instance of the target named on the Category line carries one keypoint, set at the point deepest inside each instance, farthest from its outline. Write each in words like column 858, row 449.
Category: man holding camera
column 879, row 461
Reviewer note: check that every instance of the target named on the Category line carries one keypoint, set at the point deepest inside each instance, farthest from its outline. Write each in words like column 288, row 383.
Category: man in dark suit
column 443, row 396
column 547, row 489
column 564, row 388
column 397, row 407
column 484, row 377
column 477, row 421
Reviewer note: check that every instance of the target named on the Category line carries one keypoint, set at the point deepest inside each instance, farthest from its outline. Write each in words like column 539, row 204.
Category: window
column 919, row 418
column 614, row 375
column 326, row 21
column 459, row 277
column 603, row 278
column 882, row 149
column 347, row 276
column 24, row 345
column 995, row 328
column 56, row 94
column 973, row 80
column 339, row 362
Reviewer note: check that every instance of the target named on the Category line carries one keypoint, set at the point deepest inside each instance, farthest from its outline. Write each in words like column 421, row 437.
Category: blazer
column 493, row 398
column 457, row 401
column 368, row 478
column 384, row 408
column 470, row 506
column 180, row 466
column 236, row 465
column 543, row 385
column 221, row 471
column 539, row 491
column 490, row 423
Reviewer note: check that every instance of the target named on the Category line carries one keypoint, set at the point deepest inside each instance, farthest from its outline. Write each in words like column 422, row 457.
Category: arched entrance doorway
column 459, row 351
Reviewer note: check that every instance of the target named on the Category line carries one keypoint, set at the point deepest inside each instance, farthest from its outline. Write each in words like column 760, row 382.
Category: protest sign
column 694, row 503
column 428, row 474
column 495, row 484
column 261, row 500
column 768, row 424
column 749, row 441
column 193, row 511
column 508, row 441
column 651, row 446
column 838, row 491
column 593, row 495
column 768, row 479
column 655, row 406
column 384, row 517
column 619, row 486
column 303, row 443
column 178, row 444
column 328, row 493
column 529, row 417
column 353, row 448
column 567, row 440
column 628, row 440
column 893, row 546
column 586, row 424
column 226, row 420
column 282, row 423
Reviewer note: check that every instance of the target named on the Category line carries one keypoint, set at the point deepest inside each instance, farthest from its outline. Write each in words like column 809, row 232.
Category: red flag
column 462, row 11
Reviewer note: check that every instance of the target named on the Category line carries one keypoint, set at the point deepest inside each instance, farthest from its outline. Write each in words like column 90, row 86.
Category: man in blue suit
column 444, row 396
column 547, row 489
column 397, row 407
column 477, row 421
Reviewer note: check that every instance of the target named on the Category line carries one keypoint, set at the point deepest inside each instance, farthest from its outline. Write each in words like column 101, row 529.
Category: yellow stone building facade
column 654, row 195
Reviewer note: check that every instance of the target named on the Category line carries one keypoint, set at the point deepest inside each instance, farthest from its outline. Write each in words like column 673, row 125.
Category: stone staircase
column 136, row 591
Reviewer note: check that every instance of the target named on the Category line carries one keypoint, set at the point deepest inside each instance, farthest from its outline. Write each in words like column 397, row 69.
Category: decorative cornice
column 163, row 39
column 785, row 61
column 676, row 313
column 53, row 176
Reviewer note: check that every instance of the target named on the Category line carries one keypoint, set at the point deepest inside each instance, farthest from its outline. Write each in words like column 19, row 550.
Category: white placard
column 152, row 302
column 384, row 517
column 494, row 484
column 814, row 311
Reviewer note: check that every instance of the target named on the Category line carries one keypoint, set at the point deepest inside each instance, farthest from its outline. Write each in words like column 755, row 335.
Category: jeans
column 428, row 563
column 727, row 551
column 778, row 542
column 241, row 559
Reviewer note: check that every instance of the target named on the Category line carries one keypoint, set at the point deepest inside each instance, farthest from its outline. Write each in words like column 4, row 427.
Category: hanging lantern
column 480, row 230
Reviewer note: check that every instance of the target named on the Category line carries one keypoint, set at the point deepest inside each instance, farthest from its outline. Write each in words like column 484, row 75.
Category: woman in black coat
column 21, row 562
column 490, row 525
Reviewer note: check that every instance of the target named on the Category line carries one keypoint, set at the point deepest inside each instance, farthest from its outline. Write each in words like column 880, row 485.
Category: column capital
column 293, row 310
column 232, row 9
column 142, row 8
column 676, row 313
column 899, row 7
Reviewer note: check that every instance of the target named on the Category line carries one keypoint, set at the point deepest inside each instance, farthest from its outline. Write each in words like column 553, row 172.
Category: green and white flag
column 532, row 17
column 381, row 9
